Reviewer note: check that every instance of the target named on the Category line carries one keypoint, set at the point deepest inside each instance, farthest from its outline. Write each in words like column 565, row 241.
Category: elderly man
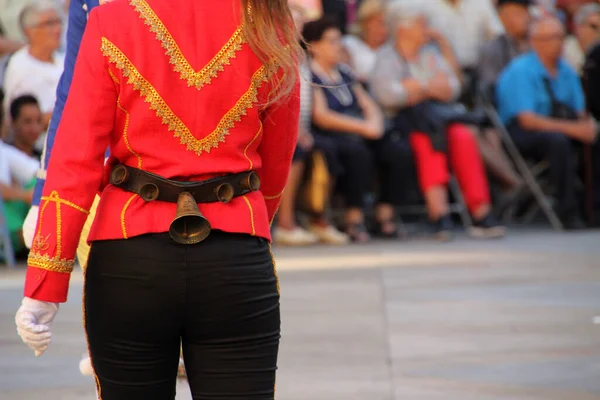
column 36, row 68
column 541, row 100
column 497, row 53
column 586, row 35
column 411, row 74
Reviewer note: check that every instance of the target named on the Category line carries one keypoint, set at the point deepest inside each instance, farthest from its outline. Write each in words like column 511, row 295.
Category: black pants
column 219, row 300
column 557, row 149
column 350, row 161
column 396, row 168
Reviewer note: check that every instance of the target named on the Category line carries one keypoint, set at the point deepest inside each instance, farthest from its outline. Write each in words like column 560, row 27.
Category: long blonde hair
column 269, row 29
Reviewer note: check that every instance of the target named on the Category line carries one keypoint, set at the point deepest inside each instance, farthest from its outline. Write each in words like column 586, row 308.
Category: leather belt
column 152, row 187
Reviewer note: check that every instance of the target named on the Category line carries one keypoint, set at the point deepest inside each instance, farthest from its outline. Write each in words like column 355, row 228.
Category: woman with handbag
column 198, row 102
column 314, row 189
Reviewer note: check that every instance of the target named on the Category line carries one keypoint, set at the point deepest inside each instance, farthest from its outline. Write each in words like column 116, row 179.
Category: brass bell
column 189, row 225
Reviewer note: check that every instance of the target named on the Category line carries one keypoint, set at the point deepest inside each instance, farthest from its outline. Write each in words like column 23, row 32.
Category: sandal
column 358, row 233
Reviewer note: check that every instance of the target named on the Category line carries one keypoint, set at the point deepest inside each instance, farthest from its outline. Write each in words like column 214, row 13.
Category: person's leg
column 287, row 231
column 232, row 319
column 495, row 159
column 134, row 299
column 557, row 149
column 357, row 162
column 432, row 173
column 395, row 164
column 433, row 176
column 469, row 170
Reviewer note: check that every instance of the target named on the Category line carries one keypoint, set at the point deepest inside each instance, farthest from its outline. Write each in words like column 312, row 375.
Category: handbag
column 315, row 190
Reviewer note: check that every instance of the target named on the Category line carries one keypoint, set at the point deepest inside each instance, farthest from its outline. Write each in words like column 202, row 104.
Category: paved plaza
column 416, row 320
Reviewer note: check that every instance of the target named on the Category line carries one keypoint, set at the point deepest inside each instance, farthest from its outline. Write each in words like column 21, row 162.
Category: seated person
column 410, row 73
column 539, row 127
column 369, row 33
column 497, row 53
column 287, row 231
column 17, row 178
column 26, row 124
column 350, row 125
column 36, row 68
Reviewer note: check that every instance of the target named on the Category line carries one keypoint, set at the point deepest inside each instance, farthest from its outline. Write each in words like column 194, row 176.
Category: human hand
column 439, row 88
column 305, row 140
column 34, row 320
column 372, row 130
column 29, row 225
column 417, row 92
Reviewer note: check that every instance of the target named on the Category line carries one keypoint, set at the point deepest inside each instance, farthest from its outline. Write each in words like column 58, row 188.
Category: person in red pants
column 410, row 72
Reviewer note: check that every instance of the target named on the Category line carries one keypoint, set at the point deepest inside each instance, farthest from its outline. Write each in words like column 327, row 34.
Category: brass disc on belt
column 224, row 192
column 149, row 192
column 119, row 175
column 251, row 182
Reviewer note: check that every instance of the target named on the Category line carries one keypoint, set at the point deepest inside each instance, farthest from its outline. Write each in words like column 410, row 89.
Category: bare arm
column 370, row 109
column 327, row 119
column 9, row 46
column 583, row 129
column 15, row 193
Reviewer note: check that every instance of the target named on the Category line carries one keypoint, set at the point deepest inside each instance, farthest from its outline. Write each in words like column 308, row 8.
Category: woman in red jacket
column 198, row 102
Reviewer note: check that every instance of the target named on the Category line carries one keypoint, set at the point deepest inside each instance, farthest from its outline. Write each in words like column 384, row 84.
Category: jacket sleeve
column 75, row 171
column 280, row 134
column 77, row 23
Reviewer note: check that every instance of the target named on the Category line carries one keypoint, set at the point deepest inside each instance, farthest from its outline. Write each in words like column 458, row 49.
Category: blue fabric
column 520, row 88
column 76, row 26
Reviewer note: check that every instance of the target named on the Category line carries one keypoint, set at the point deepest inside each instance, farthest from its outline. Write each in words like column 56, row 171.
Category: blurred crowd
column 408, row 108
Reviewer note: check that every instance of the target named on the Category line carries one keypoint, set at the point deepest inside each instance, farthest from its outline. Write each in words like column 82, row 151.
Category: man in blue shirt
column 524, row 97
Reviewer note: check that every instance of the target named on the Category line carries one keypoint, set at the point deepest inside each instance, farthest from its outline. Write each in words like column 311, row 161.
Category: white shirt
column 466, row 25
column 16, row 166
column 363, row 57
column 28, row 75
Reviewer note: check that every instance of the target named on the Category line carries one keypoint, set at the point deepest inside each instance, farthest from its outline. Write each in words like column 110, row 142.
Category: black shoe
column 573, row 222
column 443, row 228
column 487, row 228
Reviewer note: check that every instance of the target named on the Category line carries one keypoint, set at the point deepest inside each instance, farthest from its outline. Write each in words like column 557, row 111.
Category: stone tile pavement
column 468, row 320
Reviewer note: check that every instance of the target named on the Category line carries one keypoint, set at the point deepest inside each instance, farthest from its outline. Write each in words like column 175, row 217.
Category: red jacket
column 173, row 90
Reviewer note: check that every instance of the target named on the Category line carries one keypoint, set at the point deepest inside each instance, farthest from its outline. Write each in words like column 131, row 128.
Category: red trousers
column 465, row 161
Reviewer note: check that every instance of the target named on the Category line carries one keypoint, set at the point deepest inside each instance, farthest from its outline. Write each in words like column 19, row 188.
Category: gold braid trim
column 163, row 111
column 251, row 210
column 260, row 129
column 54, row 264
column 180, row 64
column 55, row 198
column 126, row 126
column 274, row 197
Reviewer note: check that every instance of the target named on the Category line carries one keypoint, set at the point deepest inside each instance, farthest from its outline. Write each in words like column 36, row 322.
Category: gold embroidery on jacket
column 40, row 244
column 54, row 264
column 251, row 214
column 163, row 111
column 250, row 144
column 125, row 207
column 180, row 64
column 126, row 127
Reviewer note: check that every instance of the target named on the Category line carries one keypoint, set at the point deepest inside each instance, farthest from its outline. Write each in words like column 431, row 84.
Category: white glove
column 29, row 225
column 34, row 320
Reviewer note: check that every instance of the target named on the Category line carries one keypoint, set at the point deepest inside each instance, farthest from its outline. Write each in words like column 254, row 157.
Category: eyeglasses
column 594, row 27
column 51, row 23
